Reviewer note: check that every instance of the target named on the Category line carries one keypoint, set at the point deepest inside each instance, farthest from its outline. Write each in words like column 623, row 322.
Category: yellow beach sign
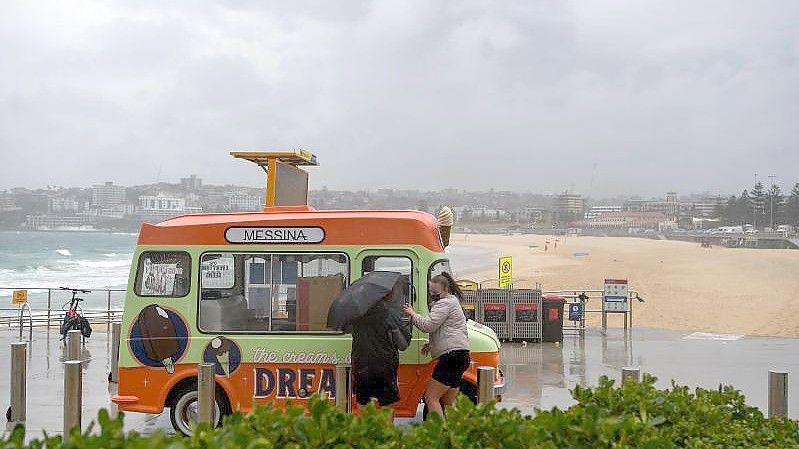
column 505, row 271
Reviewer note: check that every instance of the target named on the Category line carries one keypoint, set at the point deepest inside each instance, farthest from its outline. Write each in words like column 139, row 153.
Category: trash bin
column 552, row 329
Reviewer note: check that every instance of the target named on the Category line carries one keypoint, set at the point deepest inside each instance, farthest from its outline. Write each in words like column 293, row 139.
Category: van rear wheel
column 183, row 412
column 467, row 389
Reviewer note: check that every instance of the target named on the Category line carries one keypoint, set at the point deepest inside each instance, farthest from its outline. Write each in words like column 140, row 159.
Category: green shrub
column 635, row 415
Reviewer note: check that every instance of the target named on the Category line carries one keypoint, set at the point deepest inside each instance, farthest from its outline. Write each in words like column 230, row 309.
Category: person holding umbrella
column 369, row 308
column 449, row 342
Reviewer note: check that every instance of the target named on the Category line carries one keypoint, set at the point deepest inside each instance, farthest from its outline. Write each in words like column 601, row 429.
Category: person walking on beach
column 449, row 342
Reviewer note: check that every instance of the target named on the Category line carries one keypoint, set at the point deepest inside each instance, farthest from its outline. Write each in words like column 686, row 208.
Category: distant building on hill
column 161, row 207
column 191, row 183
column 107, row 195
column 567, row 207
column 596, row 211
column 49, row 222
column 627, row 221
column 245, row 201
column 671, row 206
column 7, row 203
column 706, row 207
column 64, row 204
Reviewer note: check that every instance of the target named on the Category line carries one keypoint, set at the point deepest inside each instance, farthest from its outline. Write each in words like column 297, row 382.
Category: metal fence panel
column 493, row 310
column 525, row 314
column 469, row 303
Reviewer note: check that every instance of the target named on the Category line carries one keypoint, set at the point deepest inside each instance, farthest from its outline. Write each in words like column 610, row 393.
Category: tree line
column 762, row 207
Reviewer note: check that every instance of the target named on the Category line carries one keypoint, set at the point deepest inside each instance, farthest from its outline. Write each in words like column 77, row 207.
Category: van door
column 406, row 263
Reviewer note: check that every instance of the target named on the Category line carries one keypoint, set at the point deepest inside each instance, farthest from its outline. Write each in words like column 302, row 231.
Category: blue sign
column 575, row 311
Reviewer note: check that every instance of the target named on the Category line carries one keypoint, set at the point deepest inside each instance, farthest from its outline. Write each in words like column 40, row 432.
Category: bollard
column 73, row 345
column 485, row 384
column 344, row 387
column 73, row 396
column 49, row 295
column 777, row 394
column 108, row 309
column 206, row 393
column 630, row 373
column 116, row 330
column 19, row 377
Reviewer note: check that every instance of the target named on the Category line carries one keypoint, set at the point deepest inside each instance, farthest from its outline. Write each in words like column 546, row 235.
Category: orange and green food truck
column 250, row 292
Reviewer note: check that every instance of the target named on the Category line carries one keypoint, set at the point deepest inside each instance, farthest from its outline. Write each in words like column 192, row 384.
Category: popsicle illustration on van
column 159, row 337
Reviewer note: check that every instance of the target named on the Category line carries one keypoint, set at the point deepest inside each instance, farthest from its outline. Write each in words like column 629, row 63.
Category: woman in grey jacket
column 449, row 342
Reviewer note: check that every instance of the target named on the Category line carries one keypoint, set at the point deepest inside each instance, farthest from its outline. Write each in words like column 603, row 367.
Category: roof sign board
column 275, row 234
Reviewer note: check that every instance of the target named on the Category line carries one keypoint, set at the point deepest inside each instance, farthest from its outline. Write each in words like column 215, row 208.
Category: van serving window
column 163, row 273
column 399, row 264
column 269, row 292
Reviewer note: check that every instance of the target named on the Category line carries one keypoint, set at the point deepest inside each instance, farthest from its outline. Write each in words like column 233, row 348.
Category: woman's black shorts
column 451, row 366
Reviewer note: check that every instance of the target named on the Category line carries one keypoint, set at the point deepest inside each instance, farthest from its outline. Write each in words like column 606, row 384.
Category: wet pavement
column 541, row 375
column 538, row 375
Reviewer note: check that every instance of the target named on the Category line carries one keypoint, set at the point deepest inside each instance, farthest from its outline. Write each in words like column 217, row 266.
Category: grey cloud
column 606, row 96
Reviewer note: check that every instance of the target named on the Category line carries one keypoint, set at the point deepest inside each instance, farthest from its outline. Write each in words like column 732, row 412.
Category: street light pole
column 771, row 199
column 754, row 209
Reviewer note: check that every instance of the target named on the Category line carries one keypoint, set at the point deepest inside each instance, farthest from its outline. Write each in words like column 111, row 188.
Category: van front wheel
column 184, row 410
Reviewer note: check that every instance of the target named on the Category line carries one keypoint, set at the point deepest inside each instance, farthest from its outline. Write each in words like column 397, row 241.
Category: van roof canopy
column 340, row 227
column 295, row 158
column 286, row 183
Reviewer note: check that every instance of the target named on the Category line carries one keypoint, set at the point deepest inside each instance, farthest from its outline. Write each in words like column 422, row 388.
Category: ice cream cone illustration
column 445, row 221
column 222, row 350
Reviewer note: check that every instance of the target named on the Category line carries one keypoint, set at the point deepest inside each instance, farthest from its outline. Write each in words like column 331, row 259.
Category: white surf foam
column 63, row 252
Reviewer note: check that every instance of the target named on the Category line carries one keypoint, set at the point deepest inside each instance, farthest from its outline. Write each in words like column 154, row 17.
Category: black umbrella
column 361, row 295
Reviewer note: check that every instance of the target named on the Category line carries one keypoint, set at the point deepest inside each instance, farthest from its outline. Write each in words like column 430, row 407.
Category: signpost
column 615, row 296
column 575, row 311
column 615, row 299
column 19, row 297
column 505, row 271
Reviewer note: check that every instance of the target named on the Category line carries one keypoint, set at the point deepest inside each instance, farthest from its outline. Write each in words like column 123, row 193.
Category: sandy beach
column 686, row 287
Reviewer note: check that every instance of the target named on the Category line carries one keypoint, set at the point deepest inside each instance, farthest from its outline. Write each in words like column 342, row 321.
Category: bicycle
column 73, row 320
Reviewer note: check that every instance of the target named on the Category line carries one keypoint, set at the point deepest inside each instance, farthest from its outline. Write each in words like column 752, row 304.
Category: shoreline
column 686, row 287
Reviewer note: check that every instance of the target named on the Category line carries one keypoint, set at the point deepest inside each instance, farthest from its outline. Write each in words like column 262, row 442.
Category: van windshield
column 269, row 292
column 439, row 267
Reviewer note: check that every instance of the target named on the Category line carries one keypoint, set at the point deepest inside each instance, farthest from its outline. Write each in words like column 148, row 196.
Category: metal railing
column 579, row 297
column 583, row 297
column 46, row 316
column 21, row 318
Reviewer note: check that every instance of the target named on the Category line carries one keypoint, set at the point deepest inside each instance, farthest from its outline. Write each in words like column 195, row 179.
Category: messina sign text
column 275, row 234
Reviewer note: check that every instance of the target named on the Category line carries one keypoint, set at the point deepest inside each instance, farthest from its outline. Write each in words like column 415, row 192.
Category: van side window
column 163, row 273
column 399, row 264
column 269, row 292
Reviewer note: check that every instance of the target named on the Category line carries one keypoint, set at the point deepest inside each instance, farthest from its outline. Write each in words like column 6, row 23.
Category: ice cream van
column 250, row 292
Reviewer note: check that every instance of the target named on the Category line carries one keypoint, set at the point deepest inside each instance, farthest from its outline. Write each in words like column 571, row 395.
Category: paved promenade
column 538, row 375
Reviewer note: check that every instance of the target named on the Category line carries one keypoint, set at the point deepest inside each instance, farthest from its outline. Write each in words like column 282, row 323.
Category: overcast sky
column 605, row 97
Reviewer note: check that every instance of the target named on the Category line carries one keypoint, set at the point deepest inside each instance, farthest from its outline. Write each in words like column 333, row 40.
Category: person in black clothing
column 377, row 338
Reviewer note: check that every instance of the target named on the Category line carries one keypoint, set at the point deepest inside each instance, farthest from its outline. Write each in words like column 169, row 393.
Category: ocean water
column 90, row 260
column 98, row 260
column 55, row 259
